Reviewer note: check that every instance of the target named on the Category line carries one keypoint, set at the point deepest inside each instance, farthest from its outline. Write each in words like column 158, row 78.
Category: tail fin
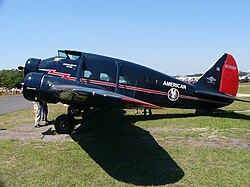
column 223, row 76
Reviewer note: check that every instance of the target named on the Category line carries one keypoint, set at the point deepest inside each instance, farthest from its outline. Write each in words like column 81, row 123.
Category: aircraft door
column 100, row 71
column 128, row 80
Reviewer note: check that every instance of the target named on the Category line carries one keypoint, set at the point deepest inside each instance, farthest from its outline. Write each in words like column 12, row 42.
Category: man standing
column 44, row 112
column 37, row 112
column 41, row 113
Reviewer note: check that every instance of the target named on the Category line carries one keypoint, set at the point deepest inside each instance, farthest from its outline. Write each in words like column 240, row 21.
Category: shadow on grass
column 135, row 118
column 230, row 114
column 215, row 113
column 127, row 152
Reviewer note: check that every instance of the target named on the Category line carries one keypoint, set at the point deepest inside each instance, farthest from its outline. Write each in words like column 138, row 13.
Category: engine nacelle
column 31, row 86
column 37, row 87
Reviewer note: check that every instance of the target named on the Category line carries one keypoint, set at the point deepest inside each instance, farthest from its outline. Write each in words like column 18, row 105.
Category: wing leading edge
column 98, row 97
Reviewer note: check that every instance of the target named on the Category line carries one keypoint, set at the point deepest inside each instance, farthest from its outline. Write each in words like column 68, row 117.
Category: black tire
column 74, row 110
column 65, row 124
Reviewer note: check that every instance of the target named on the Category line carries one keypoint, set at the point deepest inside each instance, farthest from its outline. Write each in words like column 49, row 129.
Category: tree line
column 9, row 78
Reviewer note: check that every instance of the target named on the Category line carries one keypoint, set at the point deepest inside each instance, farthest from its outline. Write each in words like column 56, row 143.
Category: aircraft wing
column 98, row 97
column 220, row 95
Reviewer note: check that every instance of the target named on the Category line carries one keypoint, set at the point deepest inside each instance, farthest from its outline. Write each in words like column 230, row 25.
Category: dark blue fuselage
column 117, row 76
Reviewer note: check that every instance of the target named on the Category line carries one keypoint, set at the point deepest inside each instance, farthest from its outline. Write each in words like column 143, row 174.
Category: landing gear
column 74, row 110
column 65, row 124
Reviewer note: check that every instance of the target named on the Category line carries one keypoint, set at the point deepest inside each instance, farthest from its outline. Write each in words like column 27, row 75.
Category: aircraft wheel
column 65, row 124
column 74, row 111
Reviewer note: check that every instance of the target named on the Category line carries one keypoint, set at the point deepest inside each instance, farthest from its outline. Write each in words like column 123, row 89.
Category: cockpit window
column 62, row 54
column 73, row 55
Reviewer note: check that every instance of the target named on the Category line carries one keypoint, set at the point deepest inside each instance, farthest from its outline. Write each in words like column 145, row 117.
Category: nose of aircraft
column 31, row 65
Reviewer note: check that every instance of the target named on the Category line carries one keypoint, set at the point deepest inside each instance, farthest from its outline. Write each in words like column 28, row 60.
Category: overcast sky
column 172, row 36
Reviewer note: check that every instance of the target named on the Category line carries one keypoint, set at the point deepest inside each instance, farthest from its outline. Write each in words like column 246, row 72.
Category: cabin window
column 105, row 77
column 123, row 80
column 128, row 75
column 87, row 74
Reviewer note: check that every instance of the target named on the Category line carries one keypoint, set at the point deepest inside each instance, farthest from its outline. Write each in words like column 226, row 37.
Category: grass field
column 174, row 147
column 244, row 88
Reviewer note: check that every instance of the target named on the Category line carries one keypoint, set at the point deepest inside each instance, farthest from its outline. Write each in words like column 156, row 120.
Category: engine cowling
column 31, row 65
column 31, row 86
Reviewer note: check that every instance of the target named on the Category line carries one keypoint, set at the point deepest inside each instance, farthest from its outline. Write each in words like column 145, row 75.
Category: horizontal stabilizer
column 220, row 95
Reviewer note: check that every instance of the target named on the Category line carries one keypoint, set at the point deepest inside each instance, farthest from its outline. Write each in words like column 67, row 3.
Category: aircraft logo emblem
column 173, row 94
column 211, row 80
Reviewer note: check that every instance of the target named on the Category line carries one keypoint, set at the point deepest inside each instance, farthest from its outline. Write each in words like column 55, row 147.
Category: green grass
column 27, row 116
column 17, row 118
column 244, row 88
column 174, row 147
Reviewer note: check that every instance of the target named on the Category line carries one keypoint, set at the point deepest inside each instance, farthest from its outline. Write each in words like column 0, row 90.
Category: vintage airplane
column 85, row 81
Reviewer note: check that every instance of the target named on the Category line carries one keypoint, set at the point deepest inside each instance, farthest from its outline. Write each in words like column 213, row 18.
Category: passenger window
column 87, row 74
column 104, row 77
column 123, row 80
column 128, row 74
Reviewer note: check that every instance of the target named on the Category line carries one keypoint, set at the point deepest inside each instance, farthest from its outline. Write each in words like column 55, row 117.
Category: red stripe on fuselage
column 140, row 102
column 62, row 75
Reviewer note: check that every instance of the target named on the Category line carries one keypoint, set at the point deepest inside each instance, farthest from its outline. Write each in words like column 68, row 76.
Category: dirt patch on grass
column 243, row 95
column 29, row 133
column 215, row 142
column 167, row 129
column 207, row 137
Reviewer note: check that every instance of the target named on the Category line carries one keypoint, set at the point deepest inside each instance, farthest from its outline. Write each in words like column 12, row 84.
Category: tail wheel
column 74, row 111
column 65, row 124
